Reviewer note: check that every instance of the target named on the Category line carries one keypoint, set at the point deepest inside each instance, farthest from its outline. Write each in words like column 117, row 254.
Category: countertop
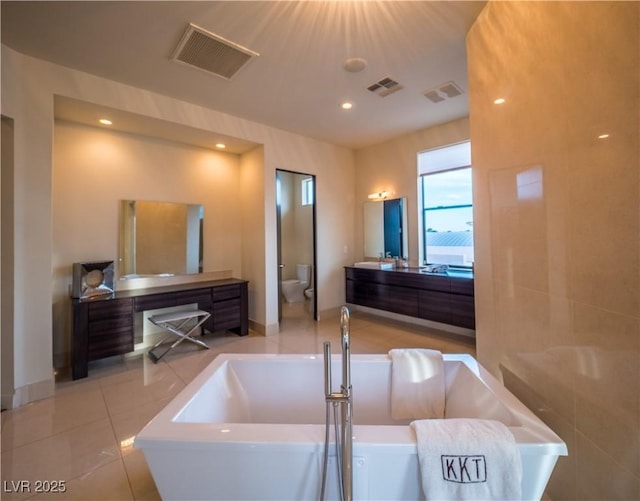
column 457, row 273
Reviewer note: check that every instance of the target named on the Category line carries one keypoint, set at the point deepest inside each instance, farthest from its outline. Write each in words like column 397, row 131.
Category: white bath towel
column 417, row 384
column 470, row 459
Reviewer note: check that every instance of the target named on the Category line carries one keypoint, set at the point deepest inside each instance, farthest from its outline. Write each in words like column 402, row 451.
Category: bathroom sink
column 374, row 265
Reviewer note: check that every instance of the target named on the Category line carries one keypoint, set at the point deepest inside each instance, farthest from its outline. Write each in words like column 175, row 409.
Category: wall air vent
column 442, row 92
column 212, row 53
column 385, row 87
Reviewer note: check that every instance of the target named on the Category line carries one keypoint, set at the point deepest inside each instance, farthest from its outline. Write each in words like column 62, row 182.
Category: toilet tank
column 302, row 272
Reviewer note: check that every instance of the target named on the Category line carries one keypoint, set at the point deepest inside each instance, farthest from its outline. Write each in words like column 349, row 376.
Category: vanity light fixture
column 379, row 195
column 105, row 121
column 127, row 442
column 500, row 100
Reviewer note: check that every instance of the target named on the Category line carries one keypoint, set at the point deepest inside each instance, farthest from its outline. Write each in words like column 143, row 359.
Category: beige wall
column 31, row 108
column 28, row 90
column 557, row 227
column 94, row 169
column 252, row 181
column 393, row 166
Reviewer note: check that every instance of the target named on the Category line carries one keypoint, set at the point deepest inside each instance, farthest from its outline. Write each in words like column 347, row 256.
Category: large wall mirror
column 159, row 239
column 385, row 228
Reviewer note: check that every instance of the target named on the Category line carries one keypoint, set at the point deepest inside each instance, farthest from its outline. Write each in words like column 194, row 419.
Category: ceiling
column 298, row 80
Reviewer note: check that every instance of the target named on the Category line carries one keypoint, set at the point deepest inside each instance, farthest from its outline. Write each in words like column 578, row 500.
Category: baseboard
column 264, row 330
column 32, row 392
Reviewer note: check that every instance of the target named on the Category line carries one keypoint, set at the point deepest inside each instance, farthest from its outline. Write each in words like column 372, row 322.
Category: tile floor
column 83, row 435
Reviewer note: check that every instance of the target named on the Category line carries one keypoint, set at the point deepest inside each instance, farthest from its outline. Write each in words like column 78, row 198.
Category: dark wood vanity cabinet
column 106, row 327
column 103, row 327
column 110, row 328
column 226, row 307
column 448, row 299
column 382, row 296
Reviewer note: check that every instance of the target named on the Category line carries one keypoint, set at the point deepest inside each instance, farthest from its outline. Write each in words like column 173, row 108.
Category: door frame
column 314, row 267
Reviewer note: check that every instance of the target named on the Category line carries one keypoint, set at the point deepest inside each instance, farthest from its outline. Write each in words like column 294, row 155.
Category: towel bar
column 177, row 324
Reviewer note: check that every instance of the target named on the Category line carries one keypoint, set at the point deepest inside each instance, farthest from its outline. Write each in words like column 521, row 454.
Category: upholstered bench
column 183, row 324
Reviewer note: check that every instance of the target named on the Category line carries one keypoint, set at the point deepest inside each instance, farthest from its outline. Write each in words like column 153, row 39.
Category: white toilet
column 293, row 290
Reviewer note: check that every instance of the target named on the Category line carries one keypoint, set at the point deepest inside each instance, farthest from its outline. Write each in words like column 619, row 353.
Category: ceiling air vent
column 211, row 53
column 442, row 92
column 385, row 87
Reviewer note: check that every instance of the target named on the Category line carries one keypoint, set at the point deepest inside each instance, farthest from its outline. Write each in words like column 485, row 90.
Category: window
column 307, row 191
column 447, row 205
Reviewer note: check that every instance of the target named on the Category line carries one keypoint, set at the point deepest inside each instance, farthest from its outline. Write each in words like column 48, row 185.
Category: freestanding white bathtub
column 252, row 427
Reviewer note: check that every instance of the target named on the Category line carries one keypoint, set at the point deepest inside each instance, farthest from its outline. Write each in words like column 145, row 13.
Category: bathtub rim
column 532, row 436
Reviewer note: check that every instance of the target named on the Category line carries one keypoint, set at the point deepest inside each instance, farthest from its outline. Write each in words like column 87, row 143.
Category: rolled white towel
column 470, row 459
column 417, row 383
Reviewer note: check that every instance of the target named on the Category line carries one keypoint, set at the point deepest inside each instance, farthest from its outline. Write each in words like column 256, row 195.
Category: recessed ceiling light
column 603, row 136
column 105, row 121
column 222, row 146
column 347, row 105
column 500, row 100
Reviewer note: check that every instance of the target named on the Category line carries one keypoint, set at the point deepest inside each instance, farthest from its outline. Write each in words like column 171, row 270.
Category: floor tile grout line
column 83, row 474
column 67, row 430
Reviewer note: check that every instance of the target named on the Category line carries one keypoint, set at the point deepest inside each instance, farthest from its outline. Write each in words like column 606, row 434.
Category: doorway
column 296, row 227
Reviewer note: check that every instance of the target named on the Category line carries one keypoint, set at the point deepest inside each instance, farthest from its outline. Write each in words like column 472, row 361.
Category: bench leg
column 182, row 335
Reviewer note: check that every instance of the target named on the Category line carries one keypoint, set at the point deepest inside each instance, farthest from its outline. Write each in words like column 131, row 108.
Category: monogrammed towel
column 470, row 459
column 417, row 383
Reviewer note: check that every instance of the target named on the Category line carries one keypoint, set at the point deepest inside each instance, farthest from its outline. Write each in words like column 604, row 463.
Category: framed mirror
column 385, row 224
column 159, row 239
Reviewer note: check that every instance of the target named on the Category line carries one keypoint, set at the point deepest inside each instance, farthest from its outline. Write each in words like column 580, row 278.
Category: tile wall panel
column 557, row 212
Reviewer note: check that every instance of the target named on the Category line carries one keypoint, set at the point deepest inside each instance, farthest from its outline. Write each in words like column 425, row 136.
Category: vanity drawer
column 436, row 283
column 356, row 292
column 435, row 306
column 391, row 298
column 200, row 296
column 226, row 314
column 110, row 336
column 99, row 327
column 155, row 301
column 108, row 343
column 463, row 312
column 110, row 308
column 225, row 292
column 462, row 286
column 363, row 274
